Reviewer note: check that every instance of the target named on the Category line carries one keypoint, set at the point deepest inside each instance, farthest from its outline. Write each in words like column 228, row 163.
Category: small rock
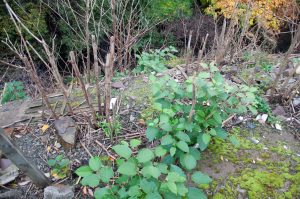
column 113, row 101
column 57, row 145
column 11, row 194
column 255, row 141
column 250, row 125
column 287, row 72
column 236, row 80
column 132, row 118
column 262, row 118
column 278, row 127
column 67, row 131
column 279, row 111
column 118, row 85
column 296, row 101
column 298, row 70
column 292, row 81
column 8, row 174
column 58, row 192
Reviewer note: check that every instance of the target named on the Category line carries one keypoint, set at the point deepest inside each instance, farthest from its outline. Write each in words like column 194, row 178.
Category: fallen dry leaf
column 45, row 127
column 91, row 192
column 142, row 122
column 24, row 183
column 48, row 149
column 84, row 190
column 8, row 131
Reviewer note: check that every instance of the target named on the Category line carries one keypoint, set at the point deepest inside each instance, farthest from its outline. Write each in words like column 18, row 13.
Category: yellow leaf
column 45, row 127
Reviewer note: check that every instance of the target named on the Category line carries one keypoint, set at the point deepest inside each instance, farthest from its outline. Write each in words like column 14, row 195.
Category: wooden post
column 84, row 90
column 108, row 75
column 97, row 72
column 12, row 152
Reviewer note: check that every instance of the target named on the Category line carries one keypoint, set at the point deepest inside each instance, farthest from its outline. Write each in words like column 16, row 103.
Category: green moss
column 139, row 91
column 261, row 184
column 218, row 196
column 276, row 174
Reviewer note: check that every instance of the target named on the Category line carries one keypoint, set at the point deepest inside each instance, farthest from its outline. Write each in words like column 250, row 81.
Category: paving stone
column 58, row 192
column 66, row 130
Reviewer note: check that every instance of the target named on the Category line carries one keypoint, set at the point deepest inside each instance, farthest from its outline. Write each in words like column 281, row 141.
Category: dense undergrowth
column 184, row 119
column 188, row 116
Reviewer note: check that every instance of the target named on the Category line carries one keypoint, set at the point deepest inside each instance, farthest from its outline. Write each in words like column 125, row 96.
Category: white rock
column 132, row 118
column 278, row 127
column 255, row 141
column 112, row 103
column 296, row 101
column 58, row 192
column 8, row 174
column 298, row 70
column 57, row 145
column 262, row 118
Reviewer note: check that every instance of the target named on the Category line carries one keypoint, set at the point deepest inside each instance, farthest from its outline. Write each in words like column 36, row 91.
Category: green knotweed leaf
column 195, row 193
column 95, row 163
column 189, row 161
column 160, row 151
column 135, row 143
column 123, row 151
column 151, row 171
column 145, row 155
column 183, row 146
column 127, row 168
column 84, row 171
column 201, row 178
column 167, row 140
column 106, row 173
column 151, row 133
column 172, row 187
column 91, row 181
column 101, row 193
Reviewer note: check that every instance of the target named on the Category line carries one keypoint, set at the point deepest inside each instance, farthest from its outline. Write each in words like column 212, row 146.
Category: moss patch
column 261, row 170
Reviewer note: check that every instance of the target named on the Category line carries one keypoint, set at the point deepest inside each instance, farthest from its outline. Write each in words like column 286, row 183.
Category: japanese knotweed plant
column 154, row 60
column 192, row 113
column 140, row 176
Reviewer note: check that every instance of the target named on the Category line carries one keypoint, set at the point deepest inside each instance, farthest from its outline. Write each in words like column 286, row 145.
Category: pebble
column 57, row 145
column 67, row 131
column 255, row 141
column 279, row 110
column 278, row 127
column 250, row 125
column 132, row 118
column 262, row 118
column 118, row 85
column 296, row 101
column 298, row 70
column 58, row 192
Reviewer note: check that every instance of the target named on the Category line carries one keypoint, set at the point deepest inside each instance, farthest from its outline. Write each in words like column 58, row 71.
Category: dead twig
column 88, row 152
column 105, row 149
column 27, row 125
column 228, row 120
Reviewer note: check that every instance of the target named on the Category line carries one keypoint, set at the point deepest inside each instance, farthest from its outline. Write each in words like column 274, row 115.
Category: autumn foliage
column 269, row 14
